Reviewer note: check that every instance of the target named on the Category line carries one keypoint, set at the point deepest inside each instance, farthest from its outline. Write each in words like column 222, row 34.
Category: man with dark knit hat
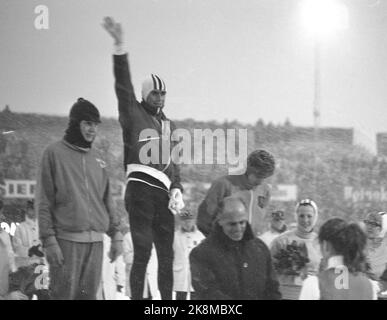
column 75, row 209
column 153, row 191
column 250, row 186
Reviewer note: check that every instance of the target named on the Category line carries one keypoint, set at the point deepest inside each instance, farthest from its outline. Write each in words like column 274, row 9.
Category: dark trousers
column 80, row 275
column 150, row 222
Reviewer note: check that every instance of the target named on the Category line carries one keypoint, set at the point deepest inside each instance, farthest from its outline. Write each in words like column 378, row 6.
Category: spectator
column 375, row 223
column 6, row 266
column 231, row 263
column 26, row 241
column 127, row 246
column 75, row 208
column 307, row 216
column 342, row 246
column 277, row 227
column 250, row 186
column 186, row 238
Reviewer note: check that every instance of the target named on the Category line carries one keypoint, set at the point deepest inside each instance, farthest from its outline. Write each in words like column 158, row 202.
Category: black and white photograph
column 193, row 150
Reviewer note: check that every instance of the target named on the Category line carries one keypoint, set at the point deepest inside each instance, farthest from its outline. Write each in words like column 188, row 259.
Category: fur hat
column 154, row 82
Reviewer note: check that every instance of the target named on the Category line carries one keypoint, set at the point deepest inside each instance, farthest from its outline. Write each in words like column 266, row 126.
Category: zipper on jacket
column 87, row 186
column 251, row 206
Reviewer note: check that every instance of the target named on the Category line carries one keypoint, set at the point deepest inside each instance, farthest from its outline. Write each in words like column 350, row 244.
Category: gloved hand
column 115, row 250
column 54, row 255
column 34, row 250
column 176, row 202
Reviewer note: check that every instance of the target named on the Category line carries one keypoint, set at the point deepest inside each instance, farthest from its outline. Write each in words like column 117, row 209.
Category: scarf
column 305, row 235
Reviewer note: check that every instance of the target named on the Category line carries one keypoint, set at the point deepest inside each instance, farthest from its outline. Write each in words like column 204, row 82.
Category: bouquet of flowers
column 292, row 259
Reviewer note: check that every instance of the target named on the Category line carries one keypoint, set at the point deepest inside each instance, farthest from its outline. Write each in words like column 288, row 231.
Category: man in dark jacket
column 231, row 263
column 250, row 186
column 153, row 181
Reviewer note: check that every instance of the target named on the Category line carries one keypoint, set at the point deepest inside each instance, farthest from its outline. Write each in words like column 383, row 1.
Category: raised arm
column 123, row 84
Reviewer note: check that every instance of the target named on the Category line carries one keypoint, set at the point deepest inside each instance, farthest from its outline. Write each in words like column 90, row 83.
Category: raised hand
column 113, row 28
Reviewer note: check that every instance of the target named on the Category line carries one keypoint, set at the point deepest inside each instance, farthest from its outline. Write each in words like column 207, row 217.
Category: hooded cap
column 153, row 82
column 308, row 202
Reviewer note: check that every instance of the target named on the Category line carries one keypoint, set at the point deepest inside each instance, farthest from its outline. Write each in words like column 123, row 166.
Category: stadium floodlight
column 323, row 17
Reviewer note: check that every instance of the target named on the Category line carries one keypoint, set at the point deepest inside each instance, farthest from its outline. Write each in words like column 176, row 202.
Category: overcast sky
column 220, row 59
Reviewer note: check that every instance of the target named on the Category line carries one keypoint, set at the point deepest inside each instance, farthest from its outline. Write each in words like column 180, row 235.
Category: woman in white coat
column 186, row 238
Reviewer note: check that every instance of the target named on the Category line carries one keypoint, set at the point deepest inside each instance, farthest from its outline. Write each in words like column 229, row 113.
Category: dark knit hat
column 84, row 110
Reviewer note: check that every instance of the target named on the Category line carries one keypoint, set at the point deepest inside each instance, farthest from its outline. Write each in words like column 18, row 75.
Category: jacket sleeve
column 208, row 208
column 124, row 89
column 114, row 220
column 175, row 179
column 45, row 199
column 204, row 281
column 272, row 285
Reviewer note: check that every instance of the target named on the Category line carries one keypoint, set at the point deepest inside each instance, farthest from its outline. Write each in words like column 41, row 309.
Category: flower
column 292, row 259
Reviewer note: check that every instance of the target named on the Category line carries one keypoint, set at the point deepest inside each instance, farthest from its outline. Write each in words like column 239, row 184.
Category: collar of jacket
column 74, row 147
column 219, row 236
column 242, row 181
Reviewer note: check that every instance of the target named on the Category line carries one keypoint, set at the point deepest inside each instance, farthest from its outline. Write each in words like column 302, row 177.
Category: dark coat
column 223, row 269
